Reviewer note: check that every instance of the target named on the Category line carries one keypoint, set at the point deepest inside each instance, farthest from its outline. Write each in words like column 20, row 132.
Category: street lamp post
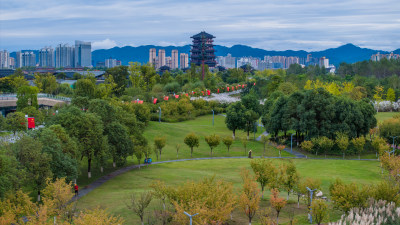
column 311, row 195
column 213, row 116
column 394, row 137
column 291, row 143
column 190, row 216
column 159, row 117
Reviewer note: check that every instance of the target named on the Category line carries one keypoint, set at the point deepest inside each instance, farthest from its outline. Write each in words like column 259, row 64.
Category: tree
column 244, row 143
column 86, row 88
column 307, row 145
column 390, row 128
column 160, row 191
column 348, row 196
column 14, row 208
column 325, row 144
column 120, row 144
column 119, row 75
column 342, row 141
column 250, row 117
column 266, row 173
column 289, row 177
column 12, row 174
column 359, row 144
column 192, row 141
column 57, row 196
column 249, row 199
column 139, row 205
column 139, row 152
column 228, row 141
column 277, row 203
column 319, row 210
column 97, row 216
column 159, row 143
column 35, row 162
column 312, row 184
column 280, row 148
column 27, row 96
column 15, row 122
column 265, row 140
column 212, row 141
column 391, row 95
column 46, row 83
column 235, row 117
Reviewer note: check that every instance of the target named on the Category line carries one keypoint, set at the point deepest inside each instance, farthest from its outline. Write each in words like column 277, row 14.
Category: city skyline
column 267, row 25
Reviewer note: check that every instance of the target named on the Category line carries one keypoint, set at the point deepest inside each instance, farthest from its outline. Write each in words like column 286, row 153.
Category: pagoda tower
column 203, row 52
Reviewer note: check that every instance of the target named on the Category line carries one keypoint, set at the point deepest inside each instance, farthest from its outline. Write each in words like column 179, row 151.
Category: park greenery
column 136, row 113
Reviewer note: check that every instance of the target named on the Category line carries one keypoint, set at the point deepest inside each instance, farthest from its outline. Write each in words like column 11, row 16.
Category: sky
column 267, row 24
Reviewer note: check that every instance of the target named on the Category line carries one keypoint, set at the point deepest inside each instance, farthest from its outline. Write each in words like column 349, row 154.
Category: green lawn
column 175, row 134
column 113, row 193
column 382, row 116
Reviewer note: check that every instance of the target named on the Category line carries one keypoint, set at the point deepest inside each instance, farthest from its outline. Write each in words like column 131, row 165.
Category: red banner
column 154, row 101
column 227, row 88
column 218, row 91
column 208, row 92
column 31, row 122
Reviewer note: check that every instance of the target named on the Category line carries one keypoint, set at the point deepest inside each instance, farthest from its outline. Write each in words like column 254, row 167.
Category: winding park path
column 102, row 180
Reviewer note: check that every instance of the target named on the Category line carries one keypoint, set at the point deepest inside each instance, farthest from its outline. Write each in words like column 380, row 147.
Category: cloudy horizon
column 270, row 25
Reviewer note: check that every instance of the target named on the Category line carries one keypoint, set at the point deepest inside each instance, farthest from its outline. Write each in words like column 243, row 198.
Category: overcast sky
column 267, row 24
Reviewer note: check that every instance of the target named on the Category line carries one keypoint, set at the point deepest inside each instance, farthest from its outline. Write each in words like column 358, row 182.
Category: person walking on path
column 76, row 189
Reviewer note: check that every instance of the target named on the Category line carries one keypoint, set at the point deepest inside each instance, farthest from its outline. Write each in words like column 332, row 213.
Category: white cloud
column 104, row 44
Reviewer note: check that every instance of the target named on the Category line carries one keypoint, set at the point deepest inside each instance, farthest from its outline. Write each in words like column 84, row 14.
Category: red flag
column 166, row 98
column 31, row 122
column 208, row 92
column 227, row 88
column 218, row 91
column 176, row 96
column 154, row 101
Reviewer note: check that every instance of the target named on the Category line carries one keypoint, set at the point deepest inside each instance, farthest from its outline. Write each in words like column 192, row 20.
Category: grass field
column 175, row 134
column 113, row 193
column 382, row 116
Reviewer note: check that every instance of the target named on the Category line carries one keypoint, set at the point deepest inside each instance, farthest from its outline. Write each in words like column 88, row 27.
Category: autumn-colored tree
column 348, row 196
column 277, row 203
column 227, row 141
column 212, row 141
column 266, row 217
column 325, row 144
column 15, row 206
column 312, row 184
column 97, row 216
column 192, row 141
column 249, row 199
column 319, row 210
column 342, row 141
column 57, row 196
column 380, row 146
column 280, row 148
column 289, row 176
column 391, row 95
column 300, row 189
column 159, row 143
column 210, row 198
column 264, row 140
column 359, row 144
column 160, row 191
column 266, row 173
column 307, row 145
column 138, row 205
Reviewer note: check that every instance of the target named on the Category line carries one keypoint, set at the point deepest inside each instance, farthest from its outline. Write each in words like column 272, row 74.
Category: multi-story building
column 83, row 54
column 174, row 59
column 46, row 57
column 153, row 56
column 11, row 63
column 4, row 59
column 378, row 56
column 110, row 63
column 324, row 62
column 168, row 61
column 64, row 56
column 28, row 58
column 161, row 58
column 253, row 62
column 203, row 51
column 184, row 61
column 227, row 61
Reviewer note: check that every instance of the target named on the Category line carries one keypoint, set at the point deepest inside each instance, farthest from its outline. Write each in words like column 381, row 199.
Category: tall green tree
column 27, row 96
column 46, row 83
column 119, row 143
column 235, row 117
column 120, row 76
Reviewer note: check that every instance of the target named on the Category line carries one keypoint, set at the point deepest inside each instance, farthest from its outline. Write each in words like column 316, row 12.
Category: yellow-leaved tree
column 249, row 199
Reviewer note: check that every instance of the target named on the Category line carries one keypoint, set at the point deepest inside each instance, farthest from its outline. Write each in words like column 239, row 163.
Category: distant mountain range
column 348, row 53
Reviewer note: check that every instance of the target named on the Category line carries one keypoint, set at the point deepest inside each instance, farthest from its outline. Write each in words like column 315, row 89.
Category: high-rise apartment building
column 184, row 61
column 4, row 59
column 110, row 63
column 83, row 54
column 168, row 61
column 28, row 58
column 46, row 57
column 161, row 58
column 175, row 59
column 18, row 59
column 324, row 62
column 153, row 56
column 11, row 63
column 64, row 56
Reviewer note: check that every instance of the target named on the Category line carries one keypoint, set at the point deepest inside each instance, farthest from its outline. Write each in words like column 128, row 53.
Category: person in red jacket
column 76, row 189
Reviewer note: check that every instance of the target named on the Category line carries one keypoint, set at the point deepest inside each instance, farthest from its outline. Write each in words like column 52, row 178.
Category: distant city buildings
column 184, row 61
column 162, row 60
column 83, row 54
column 110, row 63
column 65, row 56
column 174, row 59
column 28, row 59
column 153, row 56
column 4, row 59
column 46, row 57
column 377, row 57
column 228, row 61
